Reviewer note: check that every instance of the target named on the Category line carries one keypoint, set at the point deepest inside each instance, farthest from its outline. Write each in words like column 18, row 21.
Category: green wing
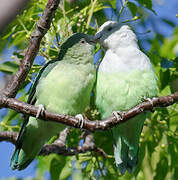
column 32, row 98
column 51, row 64
column 42, row 74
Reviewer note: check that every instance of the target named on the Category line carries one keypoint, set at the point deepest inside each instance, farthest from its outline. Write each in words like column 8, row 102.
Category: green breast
column 67, row 88
column 121, row 91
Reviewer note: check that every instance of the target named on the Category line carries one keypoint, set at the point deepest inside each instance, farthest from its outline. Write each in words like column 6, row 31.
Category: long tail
column 123, row 160
column 28, row 145
column 31, row 139
column 126, row 137
column 15, row 160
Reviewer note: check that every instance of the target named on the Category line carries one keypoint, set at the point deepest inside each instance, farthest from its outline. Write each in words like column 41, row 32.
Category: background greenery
column 159, row 140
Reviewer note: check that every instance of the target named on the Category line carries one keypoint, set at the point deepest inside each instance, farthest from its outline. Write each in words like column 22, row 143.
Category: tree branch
column 61, row 141
column 8, row 136
column 108, row 123
column 59, row 147
column 40, row 30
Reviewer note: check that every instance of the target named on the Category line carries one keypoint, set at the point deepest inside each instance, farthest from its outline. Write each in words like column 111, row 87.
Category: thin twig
column 121, row 10
column 55, row 148
column 93, row 3
column 131, row 20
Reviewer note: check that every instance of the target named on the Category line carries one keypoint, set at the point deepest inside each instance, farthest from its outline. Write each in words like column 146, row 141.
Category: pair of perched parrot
column 64, row 86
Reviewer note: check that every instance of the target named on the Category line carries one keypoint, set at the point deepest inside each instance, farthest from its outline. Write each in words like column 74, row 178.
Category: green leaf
column 56, row 166
column 161, row 168
column 9, row 67
column 100, row 17
column 171, row 23
column 165, row 91
column 133, row 8
column 113, row 3
column 66, row 171
column 73, row 137
column 164, row 77
column 146, row 3
column 168, row 49
column 172, row 149
column 17, row 39
column 11, row 116
column 19, row 56
column 44, row 164
column 142, row 151
column 155, row 59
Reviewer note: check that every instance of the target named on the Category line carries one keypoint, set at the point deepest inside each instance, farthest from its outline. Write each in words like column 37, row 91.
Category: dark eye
column 83, row 41
column 109, row 28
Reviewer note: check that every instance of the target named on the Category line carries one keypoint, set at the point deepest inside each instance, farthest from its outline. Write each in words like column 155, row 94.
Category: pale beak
column 97, row 37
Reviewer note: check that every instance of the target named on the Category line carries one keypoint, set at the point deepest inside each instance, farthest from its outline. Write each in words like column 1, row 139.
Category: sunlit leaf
column 9, row 67
column 133, row 8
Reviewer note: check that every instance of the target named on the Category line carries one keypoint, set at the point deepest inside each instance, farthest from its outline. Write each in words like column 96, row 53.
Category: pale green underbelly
column 66, row 93
column 123, row 91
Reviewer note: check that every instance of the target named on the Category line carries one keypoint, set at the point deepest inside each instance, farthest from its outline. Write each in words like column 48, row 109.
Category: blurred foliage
column 159, row 140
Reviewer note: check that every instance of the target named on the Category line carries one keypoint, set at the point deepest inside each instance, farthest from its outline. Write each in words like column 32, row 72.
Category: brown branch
column 58, row 147
column 108, row 123
column 40, row 30
column 61, row 141
column 62, row 150
column 8, row 136
column 89, row 144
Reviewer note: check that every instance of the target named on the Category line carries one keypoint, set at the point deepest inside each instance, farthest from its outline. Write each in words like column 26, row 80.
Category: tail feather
column 132, row 164
column 126, row 137
column 14, row 159
column 20, row 160
column 123, row 160
column 16, row 162
column 31, row 141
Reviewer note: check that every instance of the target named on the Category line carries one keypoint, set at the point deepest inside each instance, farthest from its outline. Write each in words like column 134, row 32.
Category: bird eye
column 83, row 41
column 109, row 28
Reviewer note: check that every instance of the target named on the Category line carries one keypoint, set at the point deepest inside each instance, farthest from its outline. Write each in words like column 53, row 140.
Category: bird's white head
column 112, row 35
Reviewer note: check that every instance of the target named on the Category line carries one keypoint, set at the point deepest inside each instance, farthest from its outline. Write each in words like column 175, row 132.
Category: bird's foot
column 81, row 120
column 41, row 110
column 118, row 115
column 150, row 101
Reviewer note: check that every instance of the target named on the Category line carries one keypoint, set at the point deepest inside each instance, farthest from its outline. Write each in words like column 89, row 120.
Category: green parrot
column 62, row 86
column 125, row 77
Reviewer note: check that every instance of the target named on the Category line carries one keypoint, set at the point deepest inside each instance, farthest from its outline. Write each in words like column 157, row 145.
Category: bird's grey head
column 112, row 35
column 78, row 44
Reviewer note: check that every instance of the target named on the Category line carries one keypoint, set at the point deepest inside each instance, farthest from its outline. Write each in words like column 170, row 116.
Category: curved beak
column 96, row 38
column 91, row 39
